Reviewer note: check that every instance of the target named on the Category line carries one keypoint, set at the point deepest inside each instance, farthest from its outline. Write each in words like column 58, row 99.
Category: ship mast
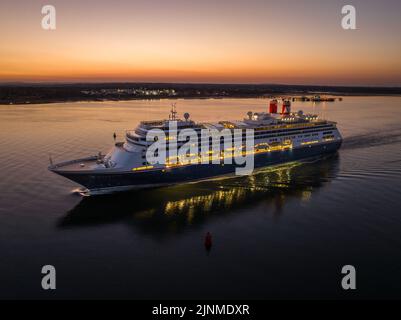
column 173, row 112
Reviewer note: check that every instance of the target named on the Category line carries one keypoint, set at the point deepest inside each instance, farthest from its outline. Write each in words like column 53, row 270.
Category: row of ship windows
column 271, row 140
column 262, row 130
column 286, row 134
column 272, row 133
column 314, row 133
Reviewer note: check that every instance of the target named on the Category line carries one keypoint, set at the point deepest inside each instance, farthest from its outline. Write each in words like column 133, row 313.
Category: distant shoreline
column 178, row 98
column 23, row 94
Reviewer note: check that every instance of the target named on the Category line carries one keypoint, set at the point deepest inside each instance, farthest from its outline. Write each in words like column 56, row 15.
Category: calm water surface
column 284, row 233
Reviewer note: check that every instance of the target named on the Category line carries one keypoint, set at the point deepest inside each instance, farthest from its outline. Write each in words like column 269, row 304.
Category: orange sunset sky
column 254, row 41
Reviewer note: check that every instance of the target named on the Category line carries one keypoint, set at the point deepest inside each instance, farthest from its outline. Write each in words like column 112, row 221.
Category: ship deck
column 83, row 164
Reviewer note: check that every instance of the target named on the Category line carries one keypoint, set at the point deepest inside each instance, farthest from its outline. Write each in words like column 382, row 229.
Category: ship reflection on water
column 168, row 211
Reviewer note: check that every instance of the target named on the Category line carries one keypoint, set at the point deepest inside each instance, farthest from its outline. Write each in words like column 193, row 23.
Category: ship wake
column 372, row 139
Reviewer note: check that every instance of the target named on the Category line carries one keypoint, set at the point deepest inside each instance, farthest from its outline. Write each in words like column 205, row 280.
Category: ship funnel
column 286, row 108
column 273, row 106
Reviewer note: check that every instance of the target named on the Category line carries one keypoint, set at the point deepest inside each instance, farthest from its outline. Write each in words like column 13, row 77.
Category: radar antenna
column 173, row 112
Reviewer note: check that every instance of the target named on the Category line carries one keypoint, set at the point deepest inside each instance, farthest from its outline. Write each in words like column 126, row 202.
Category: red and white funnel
column 286, row 108
column 273, row 106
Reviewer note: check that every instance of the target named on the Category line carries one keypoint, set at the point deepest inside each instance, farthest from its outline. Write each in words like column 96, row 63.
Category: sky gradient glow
column 253, row 41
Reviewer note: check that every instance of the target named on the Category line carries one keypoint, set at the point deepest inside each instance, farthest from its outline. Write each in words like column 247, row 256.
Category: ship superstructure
column 278, row 137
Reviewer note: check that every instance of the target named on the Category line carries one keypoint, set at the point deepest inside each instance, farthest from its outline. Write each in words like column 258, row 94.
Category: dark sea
column 285, row 232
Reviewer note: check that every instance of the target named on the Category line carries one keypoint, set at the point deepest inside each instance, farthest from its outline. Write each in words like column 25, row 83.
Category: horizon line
column 11, row 83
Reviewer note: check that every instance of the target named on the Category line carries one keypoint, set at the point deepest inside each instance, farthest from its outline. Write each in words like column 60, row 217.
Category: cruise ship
column 279, row 137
